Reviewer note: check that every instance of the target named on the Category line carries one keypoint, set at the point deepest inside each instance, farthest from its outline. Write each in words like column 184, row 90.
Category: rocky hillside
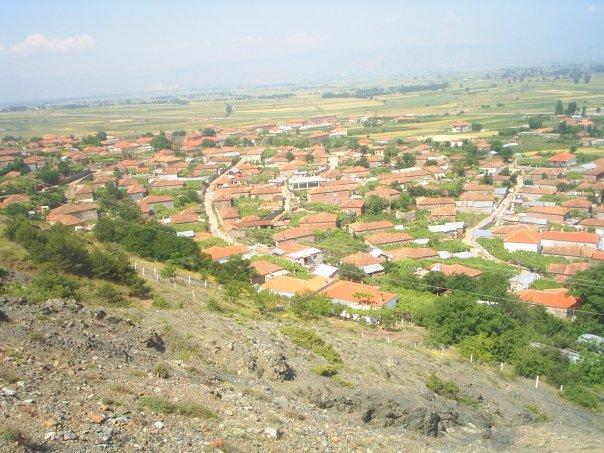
column 76, row 378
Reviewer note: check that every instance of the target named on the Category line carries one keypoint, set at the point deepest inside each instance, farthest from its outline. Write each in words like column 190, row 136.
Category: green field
column 496, row 107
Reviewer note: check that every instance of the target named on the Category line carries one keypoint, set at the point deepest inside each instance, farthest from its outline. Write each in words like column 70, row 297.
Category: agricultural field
column 494, row 103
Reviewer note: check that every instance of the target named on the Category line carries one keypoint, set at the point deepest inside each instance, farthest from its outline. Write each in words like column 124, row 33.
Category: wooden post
column 135, row 265
column 501, row 366
column 143, row 271
column 189, row 279
column 156, row 277
column 174, row 284
column 471, row 358
column 193, row 293
column 219, row 287
column 561, row 388
column 205, row 283
column 362, row 334
column 155, row 270
column 537, row 382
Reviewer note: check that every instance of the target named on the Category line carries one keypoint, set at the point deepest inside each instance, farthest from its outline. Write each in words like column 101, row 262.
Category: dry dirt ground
column 75, row 378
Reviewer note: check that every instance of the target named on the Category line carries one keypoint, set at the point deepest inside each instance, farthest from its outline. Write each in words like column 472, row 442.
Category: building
column 298, row 234
column 563, row 160
column 456, row 269
column 320, row 221
column 569, row 239
column 265, row 270
column 302, row 254
column 223, row 254
column 556, row 214
column 369, row 227
column 522, row 239
column 364, row 261
column 359, row 296
column 287, row 286
column 557, row 301
column 460, row 126
column 387, row 238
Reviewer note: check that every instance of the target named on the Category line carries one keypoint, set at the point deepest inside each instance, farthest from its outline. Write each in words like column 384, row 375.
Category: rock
column 69, row 435
column 8, row 392
column 4, row 317
column 275, row 433
column 50, row 422
column 95, row 418
column 159, row 424
column 100, row 314
column 280, row 368
column 155, row 342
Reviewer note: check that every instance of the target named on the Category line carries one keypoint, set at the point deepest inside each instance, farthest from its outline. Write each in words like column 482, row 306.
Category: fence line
column 182, row 280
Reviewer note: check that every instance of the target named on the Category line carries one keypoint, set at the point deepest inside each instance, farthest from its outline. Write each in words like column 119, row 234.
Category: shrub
column 311, row 306
column 308, row 339
column 161, row 370
column 106, row 293
column 328, row 370
column 49, row 284
column 213, row 306
column 446, row 389
column 160, row 303
column 581, row 396
column 164, row 406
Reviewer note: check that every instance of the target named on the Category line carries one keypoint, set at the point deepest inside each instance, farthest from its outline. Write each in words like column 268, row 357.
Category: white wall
column 517, row 247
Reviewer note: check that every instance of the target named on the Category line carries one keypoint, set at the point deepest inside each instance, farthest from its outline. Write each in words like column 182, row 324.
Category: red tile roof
column 555, row 298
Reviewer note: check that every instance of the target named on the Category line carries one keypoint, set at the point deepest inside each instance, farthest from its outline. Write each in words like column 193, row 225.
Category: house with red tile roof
column 287, row 286
column 561, row 271
column 221, row 254
column 456, row 269
column 298, row 234
column 570, row 239
column 13, row 199
column 369, row 227
column 555, row 214
column 385, row 238
column 320, row 221
column 411, row 253
column 557, row 301
column 152, row 203
column 563, row 160
column 359, row 296
column 266, row 270
column 522, row 239
column 353, row 206
column 364, row 261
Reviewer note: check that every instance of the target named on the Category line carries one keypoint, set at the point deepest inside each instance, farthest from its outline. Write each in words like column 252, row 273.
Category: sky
column 71, row 49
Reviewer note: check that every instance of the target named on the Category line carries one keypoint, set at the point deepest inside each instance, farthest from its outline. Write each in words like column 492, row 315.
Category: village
column 336, row 215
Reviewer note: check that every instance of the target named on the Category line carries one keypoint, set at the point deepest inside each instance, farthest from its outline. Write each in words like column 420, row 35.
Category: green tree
column 160, row 141
column 571, row 108
column 559, row 108
column 351, row 272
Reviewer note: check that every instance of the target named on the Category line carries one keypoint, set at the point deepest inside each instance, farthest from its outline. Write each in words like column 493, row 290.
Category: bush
column 160, row 303
column 164, row 406
column 326, row 370
column 446, row 389
column 581, row 396
column 48, row 284
column 308, row 339
column 213, row 305
column 107, row 294
column 162, row 371
column 479, row 346
column 311, row 306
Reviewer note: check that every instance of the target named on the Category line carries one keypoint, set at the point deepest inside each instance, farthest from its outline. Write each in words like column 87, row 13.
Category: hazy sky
column 61, row 49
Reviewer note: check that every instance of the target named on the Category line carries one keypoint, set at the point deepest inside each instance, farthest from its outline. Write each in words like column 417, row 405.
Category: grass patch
column 450, row 390
column 163, row 406
column 538, row 416
column 581, row 396
column 308, row 339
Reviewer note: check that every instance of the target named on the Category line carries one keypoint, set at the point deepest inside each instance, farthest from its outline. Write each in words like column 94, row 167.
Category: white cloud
column 592, row 9
column 391, row 20
column 39, row 42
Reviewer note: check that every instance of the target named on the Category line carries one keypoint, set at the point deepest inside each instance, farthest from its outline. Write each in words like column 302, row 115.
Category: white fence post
column 189, row 279
column 143, row 271
column 537, row 382
column 471, row 358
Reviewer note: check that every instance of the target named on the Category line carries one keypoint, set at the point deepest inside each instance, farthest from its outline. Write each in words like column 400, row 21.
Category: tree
column 407, row 160
column 559, row 108
column 535, row 122
column 476, row 126
column 571, row 108
column 161, row 142
column 583, row 110
column 351, row 272
column 363, row 162
column 49, row 175
column 228, row 109
column 587, row 78
column 208, row 132
column 375, row 205
column 289, row 156
column 436, row 282
column 102, row 135
column 169, row 271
